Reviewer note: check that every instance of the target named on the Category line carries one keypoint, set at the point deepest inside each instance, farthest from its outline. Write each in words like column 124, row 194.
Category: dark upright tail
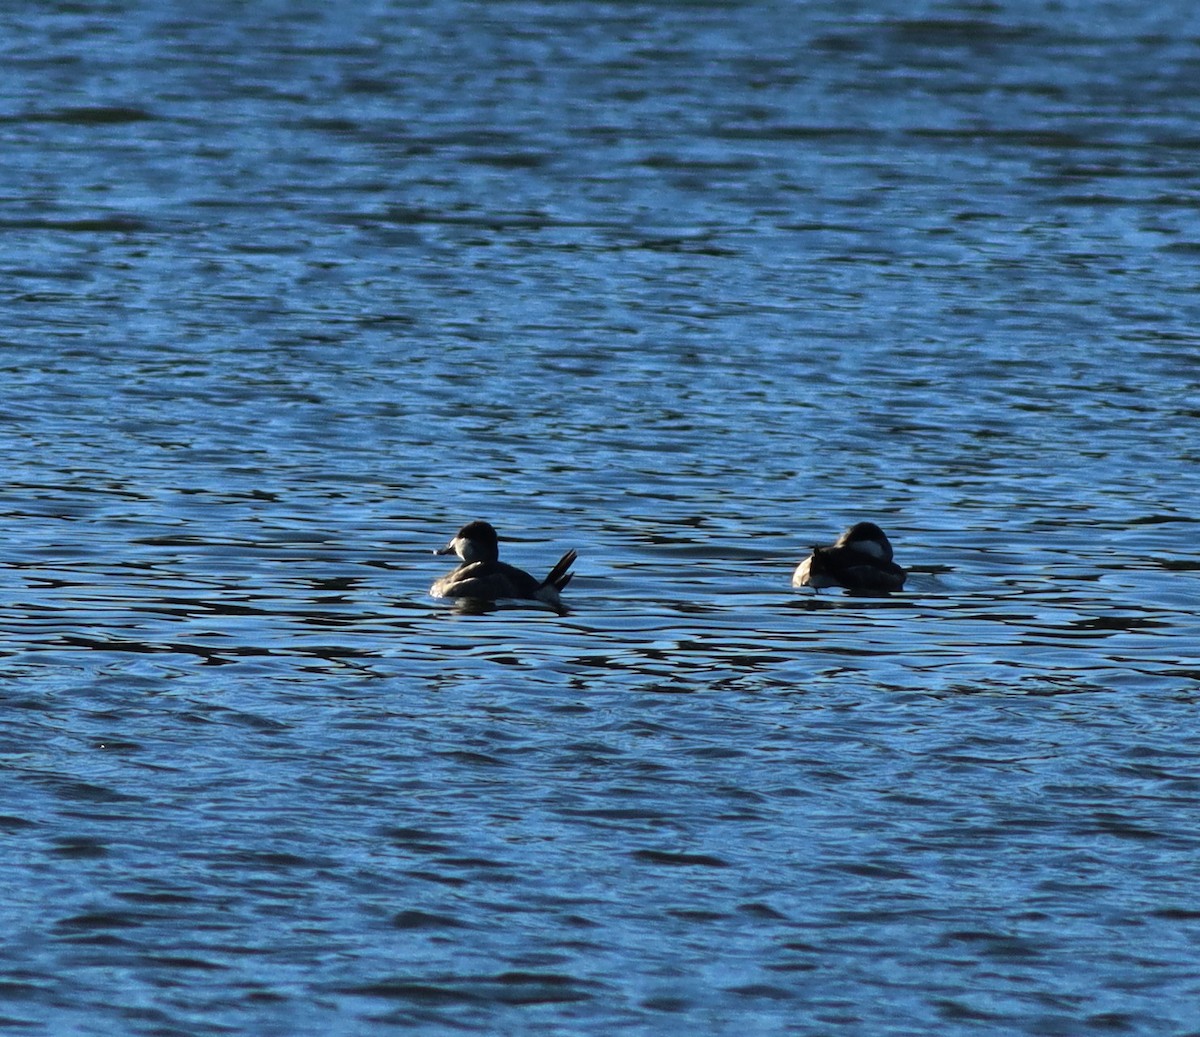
column 559, row 577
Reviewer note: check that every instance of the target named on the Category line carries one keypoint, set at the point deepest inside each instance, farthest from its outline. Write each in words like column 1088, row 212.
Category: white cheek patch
column 464, row 548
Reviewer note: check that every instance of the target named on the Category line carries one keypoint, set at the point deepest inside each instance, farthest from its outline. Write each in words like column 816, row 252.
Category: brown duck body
column 859, row 560
column 484, row 577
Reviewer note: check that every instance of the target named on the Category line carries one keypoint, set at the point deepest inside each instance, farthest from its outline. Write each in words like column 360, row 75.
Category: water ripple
column 292, row 296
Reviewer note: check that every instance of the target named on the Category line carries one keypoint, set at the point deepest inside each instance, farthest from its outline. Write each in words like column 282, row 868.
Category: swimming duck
column 484, row 577
column 859, row 560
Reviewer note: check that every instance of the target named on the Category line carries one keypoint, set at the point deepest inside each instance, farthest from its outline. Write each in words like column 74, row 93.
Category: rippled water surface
column 294, row 290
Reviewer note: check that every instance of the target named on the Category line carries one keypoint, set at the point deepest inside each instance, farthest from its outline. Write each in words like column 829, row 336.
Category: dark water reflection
column 292, row 296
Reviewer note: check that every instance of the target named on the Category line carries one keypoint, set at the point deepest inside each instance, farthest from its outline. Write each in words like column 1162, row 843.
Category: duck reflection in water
column 482, row 577
column 859, row 560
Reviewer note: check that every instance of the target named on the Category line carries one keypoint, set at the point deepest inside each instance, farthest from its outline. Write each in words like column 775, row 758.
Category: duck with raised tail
column 483, row 577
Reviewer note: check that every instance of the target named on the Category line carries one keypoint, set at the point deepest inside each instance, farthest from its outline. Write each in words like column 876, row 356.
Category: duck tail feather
column 559, row 576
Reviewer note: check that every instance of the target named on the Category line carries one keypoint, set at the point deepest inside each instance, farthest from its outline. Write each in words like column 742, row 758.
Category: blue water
column 293, row 291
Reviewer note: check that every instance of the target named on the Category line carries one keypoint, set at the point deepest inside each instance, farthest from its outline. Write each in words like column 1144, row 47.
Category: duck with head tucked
column 859, row 560
column 483, row 577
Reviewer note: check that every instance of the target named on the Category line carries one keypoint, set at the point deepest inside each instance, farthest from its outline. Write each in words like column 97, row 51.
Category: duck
column 859, row 560
column 483, row 577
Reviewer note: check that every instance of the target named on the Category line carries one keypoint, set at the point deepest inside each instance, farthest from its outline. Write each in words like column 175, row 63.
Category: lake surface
column 293, row 291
